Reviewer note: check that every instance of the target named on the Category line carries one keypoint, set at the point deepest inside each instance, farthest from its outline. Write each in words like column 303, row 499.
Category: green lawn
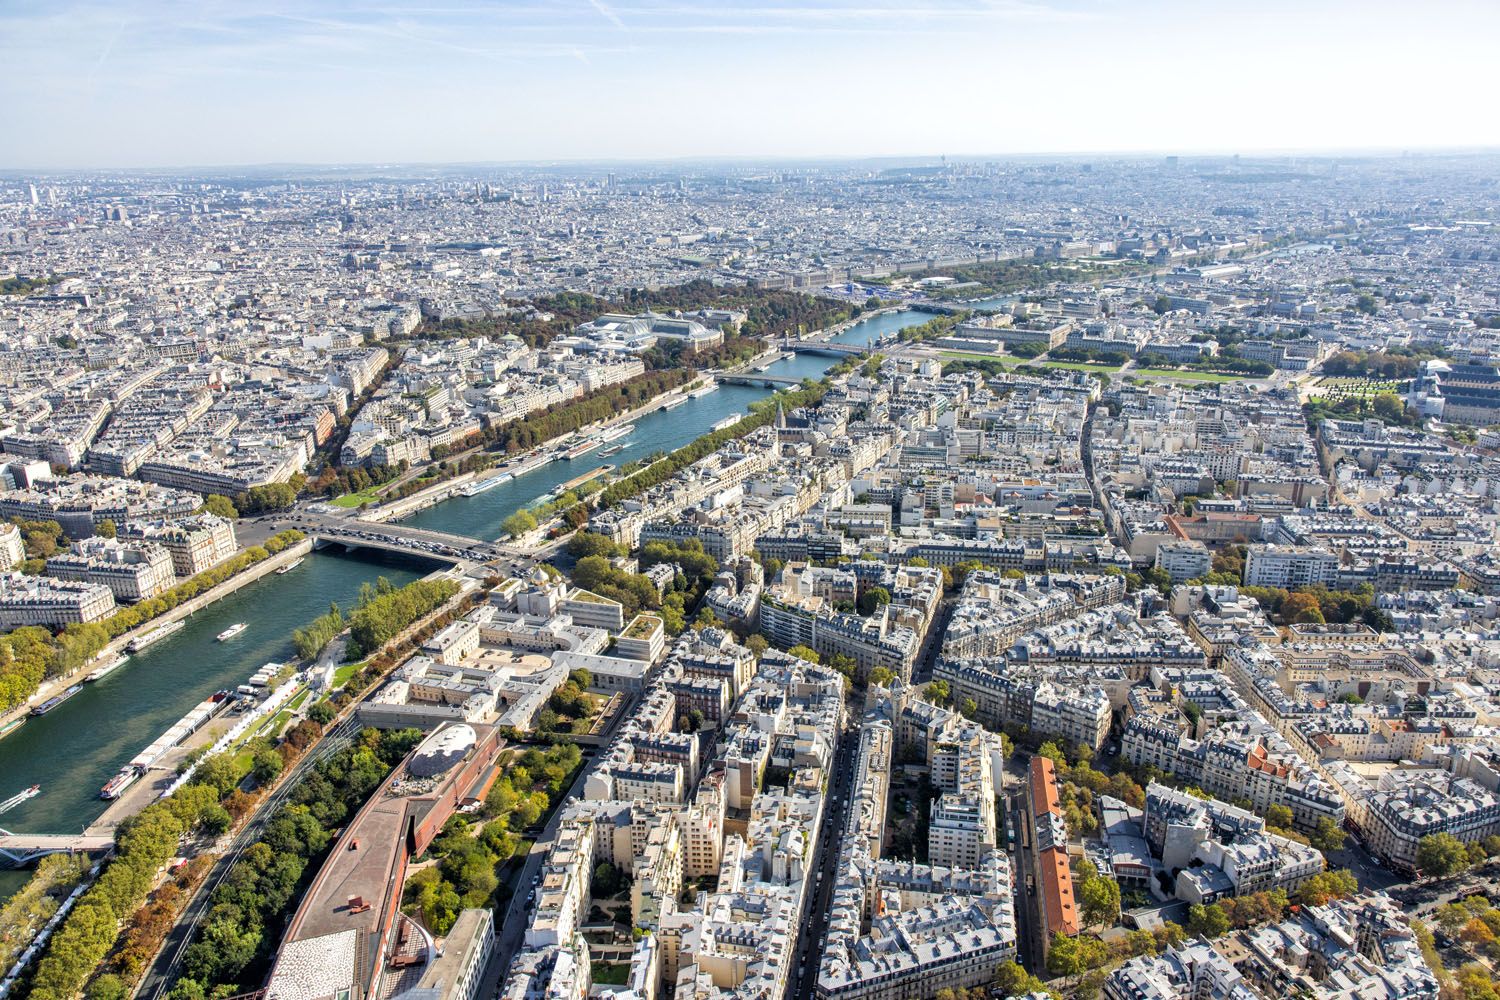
column 1080, row 366
column 355, row 499
column 273, row 728
column 1009, row 359
column 610, row 973
column 342, row 674
column 1190, row 375
column 298, row 701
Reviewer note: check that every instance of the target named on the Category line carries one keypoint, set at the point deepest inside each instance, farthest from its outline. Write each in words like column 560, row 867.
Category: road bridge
column 826, row 347
column 755, row 380
column 396, row 537
column 17, row 850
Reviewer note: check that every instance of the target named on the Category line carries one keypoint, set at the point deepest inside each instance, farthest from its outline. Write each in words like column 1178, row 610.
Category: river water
column 73, row 750
column 479, row 516
column 78, row 746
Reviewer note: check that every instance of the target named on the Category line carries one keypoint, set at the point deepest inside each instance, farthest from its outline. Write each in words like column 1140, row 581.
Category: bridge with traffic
column 825, row 347
column 756, row 379
column 355, row 532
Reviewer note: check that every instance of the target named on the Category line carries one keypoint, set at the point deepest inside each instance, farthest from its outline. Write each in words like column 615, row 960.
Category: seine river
column 73, row 750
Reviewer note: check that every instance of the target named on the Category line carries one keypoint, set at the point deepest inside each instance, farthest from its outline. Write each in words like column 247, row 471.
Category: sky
column 162, row 83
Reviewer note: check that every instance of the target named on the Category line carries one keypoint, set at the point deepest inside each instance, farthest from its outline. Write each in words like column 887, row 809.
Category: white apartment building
column 454, row 642
column 12, row 547
column 197, row 543
column 1186, row 560
column 49, row 602
column 132, row 571
column 1290, row 566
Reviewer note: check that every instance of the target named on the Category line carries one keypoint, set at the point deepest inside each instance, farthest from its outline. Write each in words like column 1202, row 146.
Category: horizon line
column 1387, row 152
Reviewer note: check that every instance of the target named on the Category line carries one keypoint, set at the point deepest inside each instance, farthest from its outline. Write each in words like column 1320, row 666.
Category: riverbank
column 78, row 746
column 118, row 645
column 518, row 467
column 658, row 432
column 422, row 499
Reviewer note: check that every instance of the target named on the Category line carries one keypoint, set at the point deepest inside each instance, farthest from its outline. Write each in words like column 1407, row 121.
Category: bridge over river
column 17, row 850
column 393, row 536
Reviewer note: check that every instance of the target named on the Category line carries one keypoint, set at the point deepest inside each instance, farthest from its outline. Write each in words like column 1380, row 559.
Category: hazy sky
column 164, row 83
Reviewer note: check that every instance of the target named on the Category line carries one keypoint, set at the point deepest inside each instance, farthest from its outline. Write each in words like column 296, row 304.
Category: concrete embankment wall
column 223, row 590
column 116, row 646
column 422, row 499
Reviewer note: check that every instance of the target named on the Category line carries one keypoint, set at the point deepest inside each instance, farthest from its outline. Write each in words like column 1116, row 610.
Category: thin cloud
column 109, row 47
column 608, row 14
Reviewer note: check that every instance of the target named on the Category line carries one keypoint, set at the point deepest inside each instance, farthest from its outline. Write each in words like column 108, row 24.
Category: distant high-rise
column 34, row 199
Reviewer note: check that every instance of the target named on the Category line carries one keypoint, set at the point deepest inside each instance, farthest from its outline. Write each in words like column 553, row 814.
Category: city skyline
column 162, row 84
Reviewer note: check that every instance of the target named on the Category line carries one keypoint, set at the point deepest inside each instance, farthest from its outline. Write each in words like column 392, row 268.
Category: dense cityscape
column 937, row 579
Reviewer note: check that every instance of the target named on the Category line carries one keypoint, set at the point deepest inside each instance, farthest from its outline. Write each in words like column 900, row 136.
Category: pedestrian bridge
column 17, row 850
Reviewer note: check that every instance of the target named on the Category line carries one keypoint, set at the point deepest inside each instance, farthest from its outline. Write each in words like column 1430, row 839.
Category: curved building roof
column 442, row 750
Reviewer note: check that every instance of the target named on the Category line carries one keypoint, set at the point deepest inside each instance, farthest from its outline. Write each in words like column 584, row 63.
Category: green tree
column 804, row 653
column 1440, row 854
column 882, row 676
column 873, row 599
column 106, row 529
column 214, row 819
column 587, row 543
column 1279, row 816
column 1074, row 956
column 938, row 693
column 107, row 987
column 757, row 644
column 1328, row 835
column 1326, row 886
column 1013, row 981
column 1054, row 753
column 1207, row 921
column 219, row 772
column 1099, row 899
column 519, row 523
column 220, row 505
column 266, row 766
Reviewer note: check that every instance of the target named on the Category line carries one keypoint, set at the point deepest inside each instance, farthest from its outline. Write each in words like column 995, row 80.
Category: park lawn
column 1190, row 375
column 298, row 701
column 1081, row 366
column 243, row 761
column 273, row 728
column 355, row 499
column 342, row 674
column 1009, row 359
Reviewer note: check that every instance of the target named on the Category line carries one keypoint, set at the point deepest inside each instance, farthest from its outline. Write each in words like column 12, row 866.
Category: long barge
column 99, row 673
column 580, row 480
column 56, row 700
column 154, row 636
column 581, row 449
column 185, row 727
column 474, row 489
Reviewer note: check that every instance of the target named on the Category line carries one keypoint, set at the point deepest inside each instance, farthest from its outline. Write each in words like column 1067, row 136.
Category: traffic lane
column 1368, row 870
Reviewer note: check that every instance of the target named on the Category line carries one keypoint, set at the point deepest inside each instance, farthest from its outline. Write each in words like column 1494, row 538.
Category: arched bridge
column 756, row 379
column 827, row 347
column 397, row 537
